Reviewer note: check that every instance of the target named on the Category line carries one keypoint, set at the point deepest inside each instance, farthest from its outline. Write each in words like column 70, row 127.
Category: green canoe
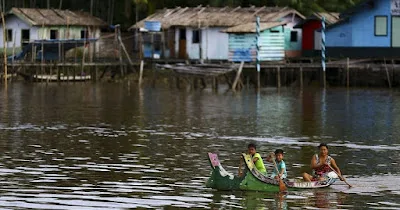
column 252, row 179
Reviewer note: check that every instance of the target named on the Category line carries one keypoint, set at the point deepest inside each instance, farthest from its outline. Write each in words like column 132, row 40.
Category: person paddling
column 321, row 165
column 281, row 166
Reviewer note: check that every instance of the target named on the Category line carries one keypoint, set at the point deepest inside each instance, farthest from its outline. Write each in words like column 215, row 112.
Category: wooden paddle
column 282, row 186
column 240, row 166
column 340, row 176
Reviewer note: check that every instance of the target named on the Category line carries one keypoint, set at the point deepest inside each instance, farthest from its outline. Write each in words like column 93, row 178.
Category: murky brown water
column 111, row 146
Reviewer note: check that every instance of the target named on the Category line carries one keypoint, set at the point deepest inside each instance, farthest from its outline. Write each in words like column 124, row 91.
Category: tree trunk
column 112, row 11
column 91, row 7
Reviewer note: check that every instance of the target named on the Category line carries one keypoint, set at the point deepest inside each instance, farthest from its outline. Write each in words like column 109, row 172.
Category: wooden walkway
column 211, row 70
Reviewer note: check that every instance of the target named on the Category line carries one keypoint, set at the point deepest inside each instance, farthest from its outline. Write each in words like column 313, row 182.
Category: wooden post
column 50, row 74
column 301, row 77
column 278, row 76
column 393, row 78
column 33, row 53
column 163, row 44
column 119, row 51
column 59, row 61
column 239, row 72
column 84, row 51
column 214, row 83
column 74, row 73
column 203, row 83
column 5, row 47
column 152, row 46
column 387, row 74
column 58, row 74
column 348, row 72
column 122, row 45
column 141, row 72
column 42, row 60
column 178, row 85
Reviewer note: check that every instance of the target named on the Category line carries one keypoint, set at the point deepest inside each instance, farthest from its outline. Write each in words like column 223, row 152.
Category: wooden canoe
column 252, row 179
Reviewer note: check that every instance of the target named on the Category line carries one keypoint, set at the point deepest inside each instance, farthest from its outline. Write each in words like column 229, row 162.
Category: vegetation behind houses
column 126, row 12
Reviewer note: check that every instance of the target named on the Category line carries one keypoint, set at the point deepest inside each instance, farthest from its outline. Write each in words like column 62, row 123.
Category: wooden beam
column 278, row 76
column 301, row 77
column 239, row 72
column 348, row 73
column 223, row 9
column 387, row 74
column 237, row 8
column 259, row 10
column 141, row 72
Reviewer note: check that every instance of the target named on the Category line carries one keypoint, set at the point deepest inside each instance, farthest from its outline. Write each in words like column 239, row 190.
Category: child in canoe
column 257, row 160
column 281, row 173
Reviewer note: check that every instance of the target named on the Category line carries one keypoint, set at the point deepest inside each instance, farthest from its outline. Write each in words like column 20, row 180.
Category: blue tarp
column 51, row 48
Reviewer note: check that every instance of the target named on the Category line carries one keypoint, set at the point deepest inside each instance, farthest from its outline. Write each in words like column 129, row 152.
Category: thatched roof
column 52, row 17
column 216, row 16
column 330, row 17
column 251, row 27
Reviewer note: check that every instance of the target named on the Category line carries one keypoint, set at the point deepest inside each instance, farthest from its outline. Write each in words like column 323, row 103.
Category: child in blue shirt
column 281, row 173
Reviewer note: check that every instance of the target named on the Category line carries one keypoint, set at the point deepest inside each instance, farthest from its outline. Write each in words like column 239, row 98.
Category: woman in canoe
column 321, row 165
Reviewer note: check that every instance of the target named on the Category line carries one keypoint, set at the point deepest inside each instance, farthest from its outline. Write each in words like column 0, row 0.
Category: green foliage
column 124, row 11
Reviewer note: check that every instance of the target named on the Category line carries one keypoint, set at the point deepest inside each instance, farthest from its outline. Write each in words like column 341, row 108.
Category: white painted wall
column 16, row 24
column 192, row 49
column 215, row 44
column 177, row 42
column 317, row 40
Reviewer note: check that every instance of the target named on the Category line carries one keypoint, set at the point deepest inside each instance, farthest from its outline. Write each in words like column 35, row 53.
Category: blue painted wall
column 242, row 46
column 340, row 36
column 359, row 31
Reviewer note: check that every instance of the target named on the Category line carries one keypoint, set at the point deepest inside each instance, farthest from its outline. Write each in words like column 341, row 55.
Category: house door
column 171, row 42
column 182, row 43
column 395, row 31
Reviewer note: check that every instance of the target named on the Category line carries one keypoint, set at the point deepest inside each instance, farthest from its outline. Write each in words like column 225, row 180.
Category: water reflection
column 107, row 146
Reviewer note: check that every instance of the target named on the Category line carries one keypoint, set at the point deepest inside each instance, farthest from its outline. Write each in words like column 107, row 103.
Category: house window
column 182, row 34
column 83, row 34
column 25, row 35
column 381, row 26
column 53, row 34
column 9, row 37
column 196, row 37
column 293, row 36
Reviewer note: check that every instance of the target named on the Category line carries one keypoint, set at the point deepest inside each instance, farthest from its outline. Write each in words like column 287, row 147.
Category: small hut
column 198, row 32
column 311, row 41
column 24, row 25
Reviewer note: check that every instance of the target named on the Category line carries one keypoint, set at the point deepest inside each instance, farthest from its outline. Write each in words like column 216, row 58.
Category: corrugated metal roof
column 53, row 17
column 251, row 27
column 216, row 16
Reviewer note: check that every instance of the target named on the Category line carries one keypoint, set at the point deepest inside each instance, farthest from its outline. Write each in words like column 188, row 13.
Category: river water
column 112, row 145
